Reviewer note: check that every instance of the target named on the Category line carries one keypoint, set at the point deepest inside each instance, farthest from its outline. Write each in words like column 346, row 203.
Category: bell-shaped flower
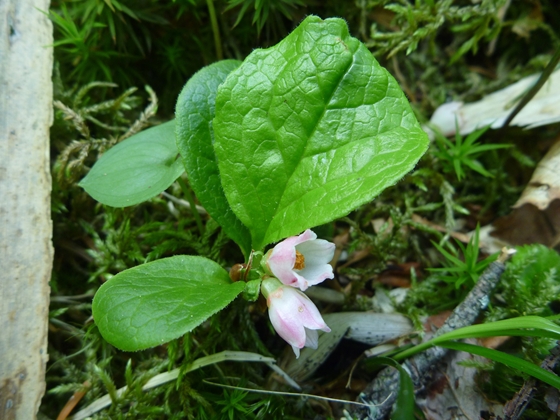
column 301, row 261
column 293, row 315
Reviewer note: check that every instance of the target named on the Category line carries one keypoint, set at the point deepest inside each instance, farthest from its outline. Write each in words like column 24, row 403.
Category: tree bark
column 25, row 224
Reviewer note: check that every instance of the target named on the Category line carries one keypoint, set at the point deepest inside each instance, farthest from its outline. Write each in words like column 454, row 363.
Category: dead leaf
column 436, row 321
column 463, row 237
column 493, row 109
column 398, row 275
column 493, row 342
column 357, row 256
column 535, row 218
column 73, row 401
column 382, row 227
column 456, row 394
column 544, row 186
column 529, row 225
column 340, row 241
column 552, row 399
column 364, row 327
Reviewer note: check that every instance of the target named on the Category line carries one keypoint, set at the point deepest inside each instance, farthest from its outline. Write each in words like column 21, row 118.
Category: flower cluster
column 296, row 263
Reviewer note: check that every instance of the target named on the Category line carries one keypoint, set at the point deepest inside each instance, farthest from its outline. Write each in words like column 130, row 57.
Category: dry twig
column 515, row 407
column 382, row 392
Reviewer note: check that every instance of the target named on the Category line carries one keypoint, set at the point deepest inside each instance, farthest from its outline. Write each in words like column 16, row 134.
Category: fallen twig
column 515, row 407
column 381, row 393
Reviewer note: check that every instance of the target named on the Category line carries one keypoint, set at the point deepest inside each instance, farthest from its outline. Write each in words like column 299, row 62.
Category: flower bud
column 236, row 271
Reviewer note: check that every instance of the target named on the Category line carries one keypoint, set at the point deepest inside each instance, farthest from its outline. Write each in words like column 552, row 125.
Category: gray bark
column 25, row 184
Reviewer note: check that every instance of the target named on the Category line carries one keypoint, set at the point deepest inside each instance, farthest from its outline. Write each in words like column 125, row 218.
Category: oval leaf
column 308, row 130
column 137, row 169
column 195, row 138
column 156, row 302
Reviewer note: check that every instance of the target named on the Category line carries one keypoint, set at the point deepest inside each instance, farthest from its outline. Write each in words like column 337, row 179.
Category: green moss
column 438, row 51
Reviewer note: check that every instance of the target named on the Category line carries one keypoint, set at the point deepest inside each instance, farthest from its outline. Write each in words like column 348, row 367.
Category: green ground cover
column 119, row 68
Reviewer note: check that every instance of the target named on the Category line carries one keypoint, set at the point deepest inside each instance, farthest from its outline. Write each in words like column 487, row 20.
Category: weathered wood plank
column 25, row 223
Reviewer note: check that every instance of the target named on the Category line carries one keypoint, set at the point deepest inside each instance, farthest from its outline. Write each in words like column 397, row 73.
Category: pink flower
column 301, row 261
column 294, row 317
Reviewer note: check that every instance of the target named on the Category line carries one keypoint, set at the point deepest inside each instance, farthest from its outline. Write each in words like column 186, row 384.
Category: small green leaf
column 195, row 111
column 252, row 290
column 404, row 405
column 157, row 302
column 137, row 169
column 310, row 129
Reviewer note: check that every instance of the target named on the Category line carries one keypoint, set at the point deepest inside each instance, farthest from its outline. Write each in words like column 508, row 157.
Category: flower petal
column 307, row 313
column 292, row 314
column 317, row 251
column 311, row 338
column 287, row 327
column 296, row 351
column 317, row 254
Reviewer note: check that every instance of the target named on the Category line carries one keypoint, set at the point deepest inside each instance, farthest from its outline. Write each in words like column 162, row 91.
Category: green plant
column 421, row 20
column 225, row 123
column 529, row 326
column 265, row 11
column 93, row 34
column 466, row 270
column 530, row 282
column 239, row 404
column 94, row 241
column 455, row 155
column 113, row 41
column 110, row 117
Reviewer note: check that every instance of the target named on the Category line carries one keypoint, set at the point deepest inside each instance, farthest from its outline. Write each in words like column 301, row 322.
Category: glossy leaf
column 136, row 169
column 195, row 111
column 310, row 129
column 159, row 301
column 530, row 326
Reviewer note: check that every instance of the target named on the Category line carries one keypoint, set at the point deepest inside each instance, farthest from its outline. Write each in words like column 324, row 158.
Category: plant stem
column 190, row 199
column 536, row 87
column 215, row 29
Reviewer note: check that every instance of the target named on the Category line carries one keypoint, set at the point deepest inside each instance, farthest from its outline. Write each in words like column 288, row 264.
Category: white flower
column 301, row 261
column 294, row 317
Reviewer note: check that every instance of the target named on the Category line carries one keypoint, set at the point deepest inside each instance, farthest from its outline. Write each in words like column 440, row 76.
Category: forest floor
column 403, row 263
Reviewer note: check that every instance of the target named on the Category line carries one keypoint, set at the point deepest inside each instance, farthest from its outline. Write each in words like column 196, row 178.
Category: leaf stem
column 215, row 29
column 190, row 199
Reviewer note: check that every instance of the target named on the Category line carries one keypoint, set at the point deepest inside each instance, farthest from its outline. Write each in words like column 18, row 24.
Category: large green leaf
column 195, row 138
column 159, row 301
column 137, row 169
column 308, row 130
